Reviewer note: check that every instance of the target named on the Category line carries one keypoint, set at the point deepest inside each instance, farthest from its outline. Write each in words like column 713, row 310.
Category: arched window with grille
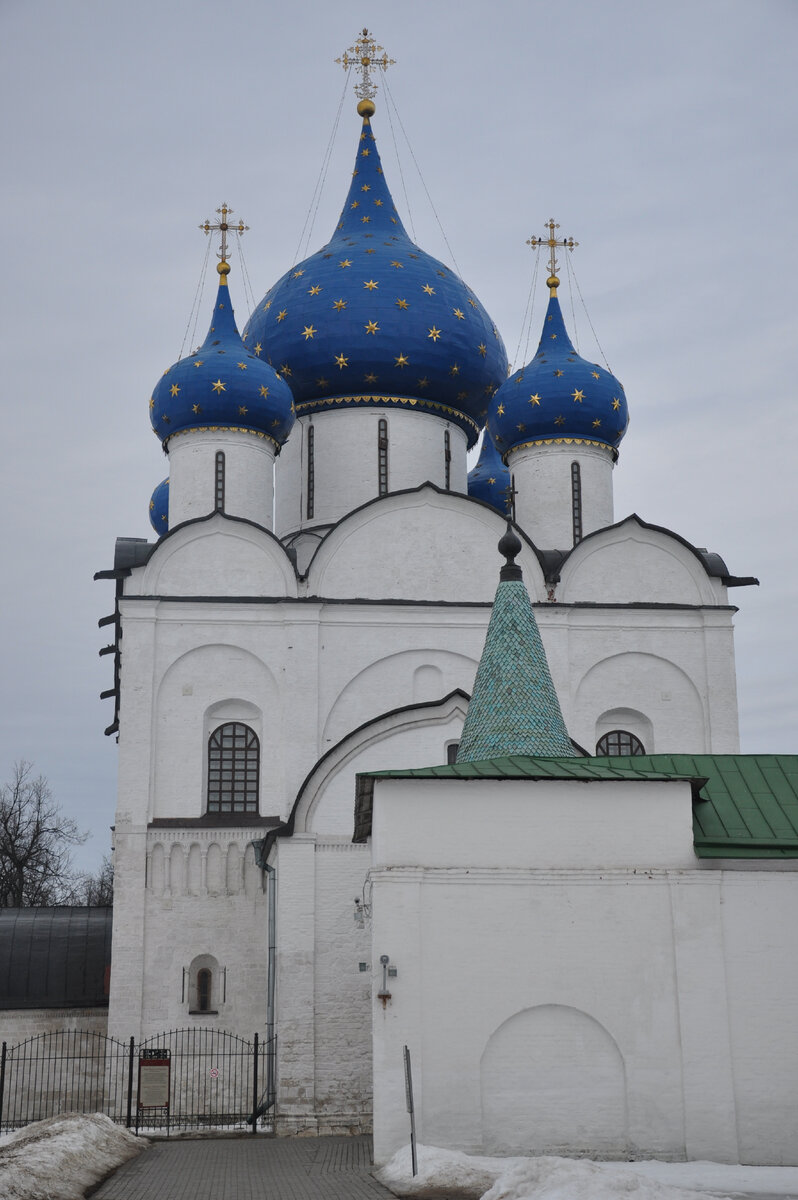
column 233, row 769
column 619, row 741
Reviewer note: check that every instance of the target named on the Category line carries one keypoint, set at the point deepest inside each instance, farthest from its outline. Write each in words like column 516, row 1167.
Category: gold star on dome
column 423, row 383
column 285, row 370
column 378, row 203
column 402, row 304
column 553, row 337
column 370, row 378
column 473, row 303
column 371, row 327
column 275, row 422
column 500, row 410
column 241, row 366
column 322, row 383
column 242, row 410
column 370, row 284
column 559, row 420
column 616, row 404
column 458, row 312
column 308, row 332
column 521, row 428
column 578, row 396
column 370, row 251
column 219, row 386
column 346, row 262
column 597, row 423
column 558, row 372
column 429, row 290
column 462, row 395
column 282, row 314
column 394, row 263
column 257, row 348
column 519, row 378
column 365, row 220
column 339, row 305
column 195, row 408
column 263, row 391
column 355, row 204
column 152, row 403
column 366, row 187
column 483, row 349
column 402, row 361
column 535, row 400
column 314, row 291
column 434, row 334
column 267, row 306
column 198, row 363
column 454, row 369
column 365, row 153
column 492, row 479
column 342, row 361
column 595, row 374
column 174, row 389
column 297, row 274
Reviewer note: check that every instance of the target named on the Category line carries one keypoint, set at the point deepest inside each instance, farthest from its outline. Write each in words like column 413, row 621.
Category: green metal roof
column 746, row 805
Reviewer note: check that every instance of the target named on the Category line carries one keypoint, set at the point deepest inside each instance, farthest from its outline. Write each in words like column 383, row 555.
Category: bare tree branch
column 36, row 841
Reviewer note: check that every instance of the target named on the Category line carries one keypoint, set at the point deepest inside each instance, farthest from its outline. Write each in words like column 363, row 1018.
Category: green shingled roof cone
column 514, row 708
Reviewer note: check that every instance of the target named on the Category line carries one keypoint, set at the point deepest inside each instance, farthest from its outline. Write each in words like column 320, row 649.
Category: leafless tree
column 36, row 841
column 95, row 889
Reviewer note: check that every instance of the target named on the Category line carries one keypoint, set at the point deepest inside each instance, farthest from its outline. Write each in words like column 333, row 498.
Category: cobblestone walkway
column 249, row 1168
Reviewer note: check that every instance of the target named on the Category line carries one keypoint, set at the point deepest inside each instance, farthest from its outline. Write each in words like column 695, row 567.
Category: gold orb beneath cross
column 366, row 108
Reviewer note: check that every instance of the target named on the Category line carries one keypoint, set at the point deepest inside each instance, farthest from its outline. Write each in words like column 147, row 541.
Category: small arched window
column 619, row 741
column 204, row 981
column 382, row 457
column 219, row 482
column 233, row 769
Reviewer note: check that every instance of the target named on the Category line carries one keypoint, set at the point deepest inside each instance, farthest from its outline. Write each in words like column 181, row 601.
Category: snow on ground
column 59, row 1158
column 449, row 1175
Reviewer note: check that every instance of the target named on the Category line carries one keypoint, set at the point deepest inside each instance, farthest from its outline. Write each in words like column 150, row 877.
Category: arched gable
column 216, row 556
column 636, row 563
column 424, row 544
column 413, row 736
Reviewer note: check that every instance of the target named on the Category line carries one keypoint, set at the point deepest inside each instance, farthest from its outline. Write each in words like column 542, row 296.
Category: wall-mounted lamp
column 383, row 994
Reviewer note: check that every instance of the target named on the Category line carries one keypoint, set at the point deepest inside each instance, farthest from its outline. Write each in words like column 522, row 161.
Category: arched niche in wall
column 629, row 720
column 552, row 1081
column 205, row 986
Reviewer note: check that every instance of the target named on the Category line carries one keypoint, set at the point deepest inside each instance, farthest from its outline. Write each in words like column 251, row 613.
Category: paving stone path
column 249, row 1168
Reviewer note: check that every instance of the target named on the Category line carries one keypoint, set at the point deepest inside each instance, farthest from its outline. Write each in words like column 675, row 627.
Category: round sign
column 214, row 1072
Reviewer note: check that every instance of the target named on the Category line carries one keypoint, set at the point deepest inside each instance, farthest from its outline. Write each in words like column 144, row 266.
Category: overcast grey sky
column 662, row 136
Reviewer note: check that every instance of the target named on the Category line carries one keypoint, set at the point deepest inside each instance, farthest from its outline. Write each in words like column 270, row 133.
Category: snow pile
column 60, row 1157
column 449, row 1175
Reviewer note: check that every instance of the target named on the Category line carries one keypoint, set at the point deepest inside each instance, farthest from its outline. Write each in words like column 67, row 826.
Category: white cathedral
column 605, row 969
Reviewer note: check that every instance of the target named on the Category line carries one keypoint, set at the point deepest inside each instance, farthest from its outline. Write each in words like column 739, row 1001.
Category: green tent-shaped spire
column 514, row 708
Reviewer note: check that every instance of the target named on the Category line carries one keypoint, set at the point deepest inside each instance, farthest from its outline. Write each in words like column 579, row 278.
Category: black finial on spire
column 510, row 547
column 510, row 494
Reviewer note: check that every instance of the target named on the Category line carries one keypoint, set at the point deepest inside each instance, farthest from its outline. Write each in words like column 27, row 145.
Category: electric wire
column 590, row 323
column 315, row 199
column 421, row 177
column 571, row 295
column 389, row 103
column 196, row 303
column 526, row 323
column 249, row 295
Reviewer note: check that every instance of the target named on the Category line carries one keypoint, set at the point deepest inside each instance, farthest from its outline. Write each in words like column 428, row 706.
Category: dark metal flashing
column 215, row 821
column 286, row 829
column 394, row 602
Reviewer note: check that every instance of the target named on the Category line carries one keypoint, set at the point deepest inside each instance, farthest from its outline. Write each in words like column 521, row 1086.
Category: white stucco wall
column 571, row 978
column 248, row 475
column 542, row 477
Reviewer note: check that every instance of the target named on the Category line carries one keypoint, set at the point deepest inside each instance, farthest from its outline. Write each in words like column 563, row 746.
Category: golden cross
column 365, row 56
column 552, row 242
column 223, row 226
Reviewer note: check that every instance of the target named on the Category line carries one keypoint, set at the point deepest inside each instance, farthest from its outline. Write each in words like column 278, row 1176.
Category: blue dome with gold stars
column 490, row 478
column 558, row 397
column 222, row 385
column 159, row 508
column 371, row 319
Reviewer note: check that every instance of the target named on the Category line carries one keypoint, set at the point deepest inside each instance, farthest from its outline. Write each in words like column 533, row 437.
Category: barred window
column 619, row 741
column 233, row 769
column 219, row 483
column 311, row 473
column 382, row 457
column 204, row 981
column 576, row 501
column 447, row 458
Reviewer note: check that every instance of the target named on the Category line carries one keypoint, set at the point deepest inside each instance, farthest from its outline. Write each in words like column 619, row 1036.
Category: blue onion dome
column 222, row 386
column 159, row 508
column 558, row 397
column 372, row 320
column 490, row 478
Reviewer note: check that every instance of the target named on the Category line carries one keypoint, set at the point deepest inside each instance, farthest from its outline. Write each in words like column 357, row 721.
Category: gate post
column 255, row 1089
column 2, row 1081
column 130, row 1084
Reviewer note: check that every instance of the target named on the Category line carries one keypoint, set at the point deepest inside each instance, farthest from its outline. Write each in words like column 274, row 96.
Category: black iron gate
column 216, row 1079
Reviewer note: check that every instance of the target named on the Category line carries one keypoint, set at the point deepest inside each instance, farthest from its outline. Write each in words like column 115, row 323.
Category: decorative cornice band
column 222, row 429
column 563, row 441
column 433, row 406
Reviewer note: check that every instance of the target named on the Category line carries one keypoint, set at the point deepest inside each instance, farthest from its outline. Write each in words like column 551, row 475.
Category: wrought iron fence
column 214, row 1079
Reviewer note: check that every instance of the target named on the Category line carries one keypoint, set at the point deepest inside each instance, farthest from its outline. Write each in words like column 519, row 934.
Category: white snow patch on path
column 59, row 1158
column 450, row 1175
